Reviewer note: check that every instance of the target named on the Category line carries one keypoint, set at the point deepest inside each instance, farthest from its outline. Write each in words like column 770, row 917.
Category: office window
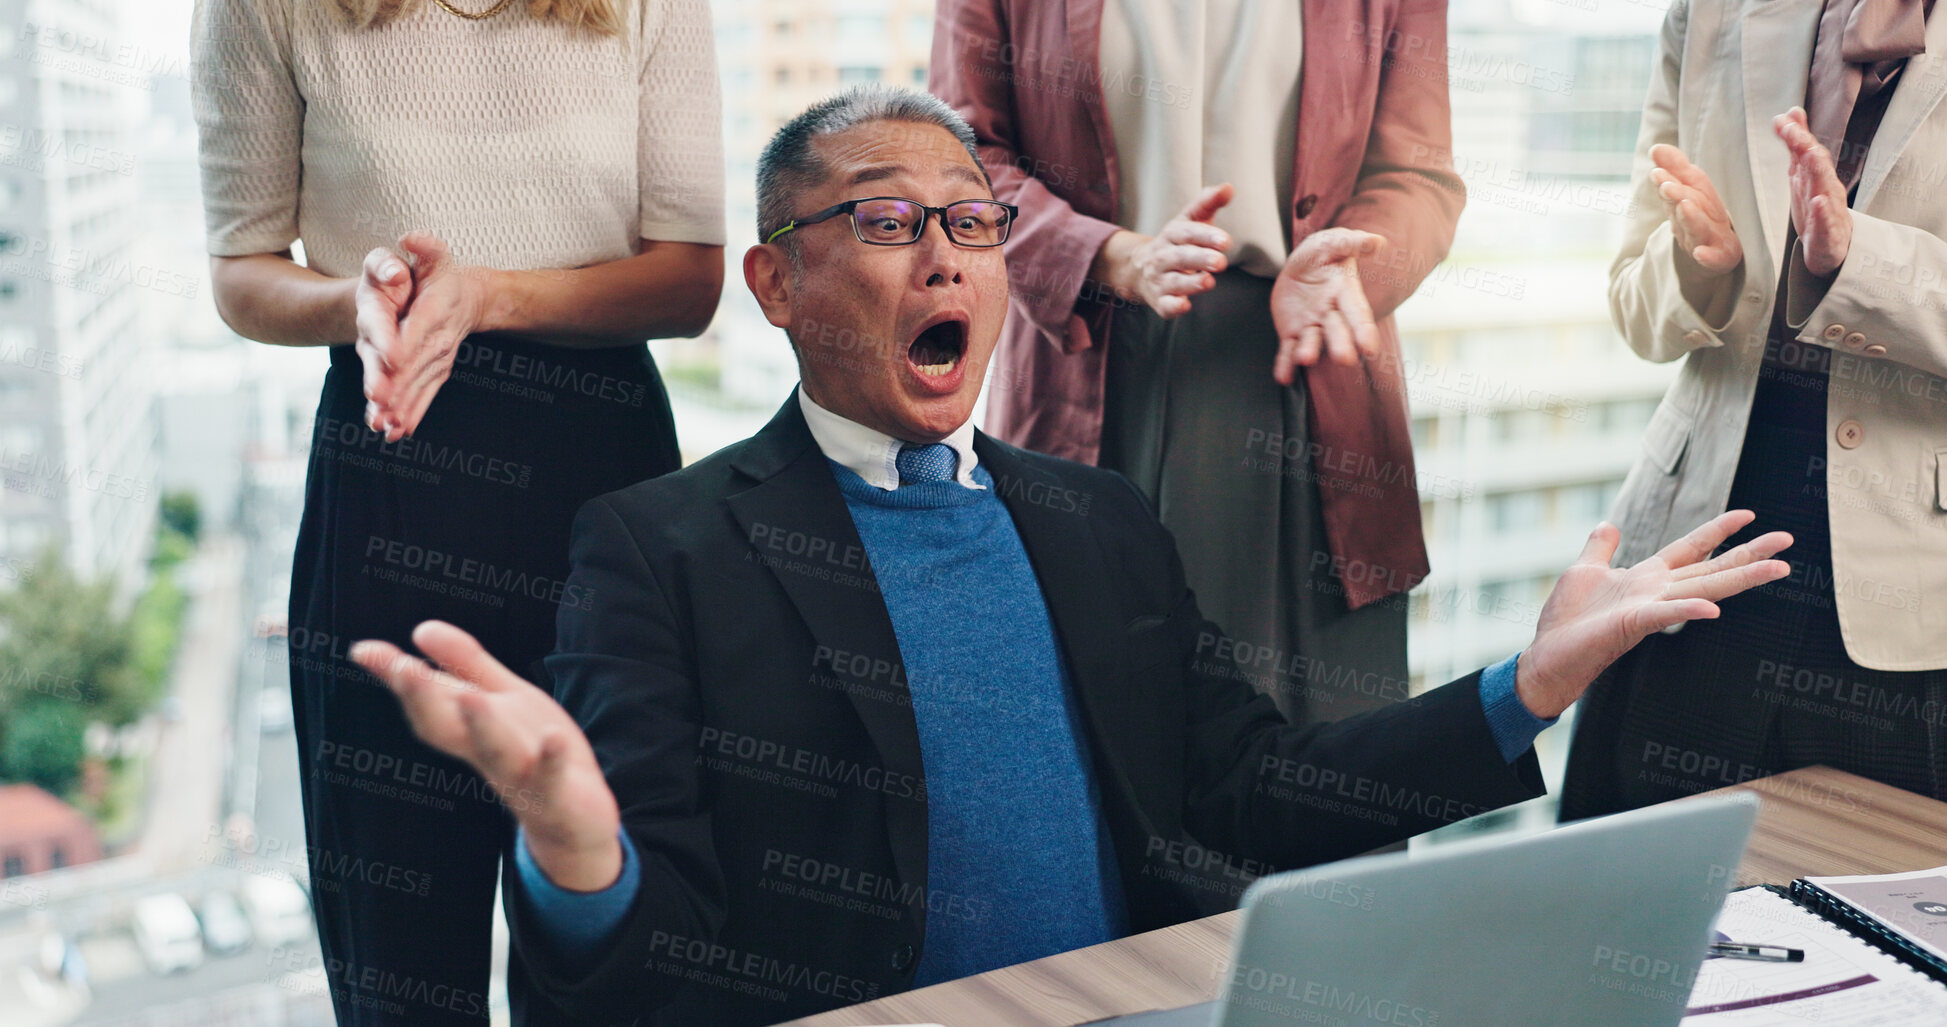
column 1628, row 416
column 1538, row 588
column 1581, row 504
column 861, row 27
column 1613, row 63
column 856, row 74
column 12, row 865
column 1520, row 425
column 1422, row 427
column 57, row 857
column 1510, row 512
column 1497, row 597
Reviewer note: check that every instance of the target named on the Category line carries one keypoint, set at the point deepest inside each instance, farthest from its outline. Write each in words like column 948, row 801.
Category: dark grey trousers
column 1193, row 417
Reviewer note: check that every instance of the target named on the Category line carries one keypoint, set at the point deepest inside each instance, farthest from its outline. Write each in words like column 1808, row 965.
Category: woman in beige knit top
column 498, row 202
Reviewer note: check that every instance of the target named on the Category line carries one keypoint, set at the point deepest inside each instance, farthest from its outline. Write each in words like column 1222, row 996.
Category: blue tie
column 932, row 462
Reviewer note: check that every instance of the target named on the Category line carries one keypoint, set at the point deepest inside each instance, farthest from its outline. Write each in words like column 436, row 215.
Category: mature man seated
column 870, row 700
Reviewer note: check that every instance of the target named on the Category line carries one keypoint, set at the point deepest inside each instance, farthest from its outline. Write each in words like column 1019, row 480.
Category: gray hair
column 789, row 165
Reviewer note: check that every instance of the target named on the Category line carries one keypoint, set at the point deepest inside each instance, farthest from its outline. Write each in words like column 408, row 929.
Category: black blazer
column 737, row 674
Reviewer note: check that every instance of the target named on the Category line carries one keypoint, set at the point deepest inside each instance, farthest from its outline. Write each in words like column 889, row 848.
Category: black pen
column 1766, row 953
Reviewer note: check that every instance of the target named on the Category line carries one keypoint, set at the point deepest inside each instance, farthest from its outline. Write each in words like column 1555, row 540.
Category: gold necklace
column 469, row 15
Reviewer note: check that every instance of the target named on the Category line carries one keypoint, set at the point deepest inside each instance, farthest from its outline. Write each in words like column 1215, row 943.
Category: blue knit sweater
column 1018, row 858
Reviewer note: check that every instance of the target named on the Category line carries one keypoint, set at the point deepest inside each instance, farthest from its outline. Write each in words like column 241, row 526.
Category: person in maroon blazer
column 1222, row 204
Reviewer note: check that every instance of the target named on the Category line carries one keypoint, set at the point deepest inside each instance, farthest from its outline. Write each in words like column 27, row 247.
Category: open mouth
column 938, row 348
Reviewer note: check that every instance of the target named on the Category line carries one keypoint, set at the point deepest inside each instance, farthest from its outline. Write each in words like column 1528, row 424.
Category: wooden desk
column 1819, row 821
column 1813, row 821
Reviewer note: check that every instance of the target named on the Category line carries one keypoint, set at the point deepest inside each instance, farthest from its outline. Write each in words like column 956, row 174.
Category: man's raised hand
column 518, row 738
column 1597, row 612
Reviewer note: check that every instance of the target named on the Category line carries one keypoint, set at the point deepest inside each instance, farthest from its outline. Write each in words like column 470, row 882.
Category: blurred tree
column 42, row 744
column 153, row 629
column 60, row 639
column 65, row 659
column 181, row 513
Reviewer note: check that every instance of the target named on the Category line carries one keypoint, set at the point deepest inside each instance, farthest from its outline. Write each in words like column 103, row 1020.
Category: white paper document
column 1843, row 981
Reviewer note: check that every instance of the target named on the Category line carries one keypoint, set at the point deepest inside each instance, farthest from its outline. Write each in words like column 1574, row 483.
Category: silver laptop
column 1599, row 922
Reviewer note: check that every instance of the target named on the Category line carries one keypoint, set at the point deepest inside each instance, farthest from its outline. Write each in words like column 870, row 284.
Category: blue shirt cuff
column 1513, row 724
column 578, row 923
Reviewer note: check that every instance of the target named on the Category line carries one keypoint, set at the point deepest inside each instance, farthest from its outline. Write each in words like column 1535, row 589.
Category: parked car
column 277, row 908
column 166, row 933
column 225, row 930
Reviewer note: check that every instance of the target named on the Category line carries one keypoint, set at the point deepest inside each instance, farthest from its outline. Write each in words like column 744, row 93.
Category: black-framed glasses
column 897, row 221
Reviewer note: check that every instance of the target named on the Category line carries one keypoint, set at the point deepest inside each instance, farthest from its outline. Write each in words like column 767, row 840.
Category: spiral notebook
column 1875, row 953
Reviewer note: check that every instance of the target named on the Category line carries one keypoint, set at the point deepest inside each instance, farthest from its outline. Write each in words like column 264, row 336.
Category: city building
column 77, row 440
column 1527, row 406
column 776, row 57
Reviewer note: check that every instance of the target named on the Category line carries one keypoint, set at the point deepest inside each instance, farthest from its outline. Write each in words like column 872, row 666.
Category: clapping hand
column 1697, row 216
column 1319, row 305
column 1819, row 208
column 1180, row 261
column 410, row 327
column 384, row 291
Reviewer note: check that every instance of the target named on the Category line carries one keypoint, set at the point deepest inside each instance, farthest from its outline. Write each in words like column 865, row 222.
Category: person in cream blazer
column 1801, row 278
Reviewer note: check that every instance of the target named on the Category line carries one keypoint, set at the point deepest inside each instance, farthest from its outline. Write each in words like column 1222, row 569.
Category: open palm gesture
column 1597, row 612
column 518, row 738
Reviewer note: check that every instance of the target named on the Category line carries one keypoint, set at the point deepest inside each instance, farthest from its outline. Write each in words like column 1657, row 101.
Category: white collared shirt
column 873, row 454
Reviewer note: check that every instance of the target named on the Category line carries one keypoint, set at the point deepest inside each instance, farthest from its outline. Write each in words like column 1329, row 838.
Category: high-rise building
column 76, row 435
column 776, row 58
column 1528, row 408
